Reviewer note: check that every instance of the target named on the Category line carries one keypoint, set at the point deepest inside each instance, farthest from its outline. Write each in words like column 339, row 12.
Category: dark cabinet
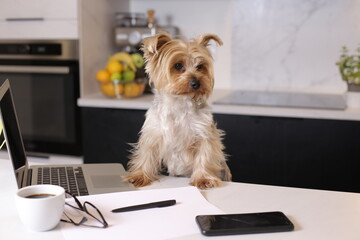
column 108, row 133
column 309, row 153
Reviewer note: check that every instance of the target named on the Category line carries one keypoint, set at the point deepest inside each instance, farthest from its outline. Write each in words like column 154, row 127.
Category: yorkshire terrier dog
column 179, row 133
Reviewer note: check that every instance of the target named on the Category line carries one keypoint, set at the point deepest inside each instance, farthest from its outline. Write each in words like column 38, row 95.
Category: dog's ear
column 205, row 39
column 151, row 45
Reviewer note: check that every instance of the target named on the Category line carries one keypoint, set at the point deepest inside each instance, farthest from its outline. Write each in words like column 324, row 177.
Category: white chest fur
column 180, row 122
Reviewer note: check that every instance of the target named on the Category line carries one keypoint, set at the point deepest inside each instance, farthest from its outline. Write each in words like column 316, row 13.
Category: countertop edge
column 145, row 101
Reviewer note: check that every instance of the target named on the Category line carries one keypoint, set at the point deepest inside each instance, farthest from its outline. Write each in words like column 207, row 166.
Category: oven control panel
column 39, row 49
column 30, row 48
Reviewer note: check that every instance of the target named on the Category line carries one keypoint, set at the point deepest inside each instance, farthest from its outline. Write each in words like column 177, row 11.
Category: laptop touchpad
column 107, row 181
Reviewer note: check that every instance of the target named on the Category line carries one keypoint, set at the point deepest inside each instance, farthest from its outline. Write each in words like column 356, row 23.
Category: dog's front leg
column 208, row 165
column 145, row 162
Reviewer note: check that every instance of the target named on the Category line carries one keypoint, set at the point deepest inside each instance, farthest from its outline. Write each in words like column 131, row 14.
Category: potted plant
column 349, row 66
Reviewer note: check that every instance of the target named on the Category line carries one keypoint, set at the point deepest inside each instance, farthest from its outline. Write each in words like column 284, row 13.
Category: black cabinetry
column 309, row 153
column 108, row 134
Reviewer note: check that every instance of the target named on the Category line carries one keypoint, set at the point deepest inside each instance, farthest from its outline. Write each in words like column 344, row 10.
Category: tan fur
column 179, row 132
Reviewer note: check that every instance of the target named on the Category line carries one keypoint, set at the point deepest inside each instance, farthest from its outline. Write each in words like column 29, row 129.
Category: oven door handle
column 35, row 69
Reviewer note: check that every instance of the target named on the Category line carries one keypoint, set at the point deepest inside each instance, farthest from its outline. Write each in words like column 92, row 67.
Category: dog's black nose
column 195, row 84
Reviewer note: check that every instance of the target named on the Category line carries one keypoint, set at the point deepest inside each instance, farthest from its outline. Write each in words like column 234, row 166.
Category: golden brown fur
column 179, row 132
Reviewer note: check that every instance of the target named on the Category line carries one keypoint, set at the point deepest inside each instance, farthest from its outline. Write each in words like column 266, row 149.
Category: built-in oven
column 44, row 79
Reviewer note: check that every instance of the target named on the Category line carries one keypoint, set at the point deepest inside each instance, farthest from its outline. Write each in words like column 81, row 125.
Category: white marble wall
column 292, row 44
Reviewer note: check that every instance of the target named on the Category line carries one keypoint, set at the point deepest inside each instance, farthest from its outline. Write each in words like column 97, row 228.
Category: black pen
column 165, row 203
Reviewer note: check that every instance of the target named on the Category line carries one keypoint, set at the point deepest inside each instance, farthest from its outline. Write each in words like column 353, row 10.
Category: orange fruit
column 132, row 89
column 114, row 67
column 110, row 89
column 103, row 76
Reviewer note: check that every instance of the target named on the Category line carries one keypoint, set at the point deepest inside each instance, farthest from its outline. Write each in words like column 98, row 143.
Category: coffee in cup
column 40, row 207
column 40, row 195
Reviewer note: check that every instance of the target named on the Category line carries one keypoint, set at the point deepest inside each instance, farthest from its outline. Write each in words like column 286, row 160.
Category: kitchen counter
column 144, row 102
column 295, row 147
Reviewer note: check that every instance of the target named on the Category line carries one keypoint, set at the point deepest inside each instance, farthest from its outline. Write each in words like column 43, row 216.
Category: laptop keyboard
column 70, row 178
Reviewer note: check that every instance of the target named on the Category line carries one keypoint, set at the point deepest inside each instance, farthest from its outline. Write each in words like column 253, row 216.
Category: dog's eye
column 199, row 67
column 178, row 66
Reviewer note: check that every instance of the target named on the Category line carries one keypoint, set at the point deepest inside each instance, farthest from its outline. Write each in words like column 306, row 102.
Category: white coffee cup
column 40, row 207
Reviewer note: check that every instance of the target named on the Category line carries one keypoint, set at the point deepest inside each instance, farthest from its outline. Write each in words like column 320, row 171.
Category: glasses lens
column 73, row 214
column 86, row 214
column 95, row 218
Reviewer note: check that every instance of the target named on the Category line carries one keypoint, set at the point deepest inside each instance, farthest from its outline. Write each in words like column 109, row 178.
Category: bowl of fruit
column 123, row 76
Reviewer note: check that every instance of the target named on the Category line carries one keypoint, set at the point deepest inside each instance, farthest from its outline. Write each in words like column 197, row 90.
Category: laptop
column 82, row 179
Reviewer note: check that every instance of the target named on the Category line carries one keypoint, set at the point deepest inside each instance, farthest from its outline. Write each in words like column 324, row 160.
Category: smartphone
column 246, row 223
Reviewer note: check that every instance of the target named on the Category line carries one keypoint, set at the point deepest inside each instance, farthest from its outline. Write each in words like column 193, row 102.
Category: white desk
column 316, row 214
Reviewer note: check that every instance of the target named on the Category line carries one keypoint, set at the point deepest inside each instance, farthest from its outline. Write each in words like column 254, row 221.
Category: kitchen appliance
column 44, row 76
column 132, row 28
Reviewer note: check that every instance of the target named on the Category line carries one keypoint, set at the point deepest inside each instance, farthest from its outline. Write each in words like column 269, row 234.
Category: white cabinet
column 39, row 19
column 46, row 9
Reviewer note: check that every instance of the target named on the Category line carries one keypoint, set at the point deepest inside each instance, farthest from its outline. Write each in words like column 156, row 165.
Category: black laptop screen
column 10, row 128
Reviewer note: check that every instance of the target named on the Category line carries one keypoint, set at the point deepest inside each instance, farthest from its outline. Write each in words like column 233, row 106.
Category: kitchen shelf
column 144, row 102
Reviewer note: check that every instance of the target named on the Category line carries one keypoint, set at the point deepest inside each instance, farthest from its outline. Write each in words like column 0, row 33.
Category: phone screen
column 227, row 224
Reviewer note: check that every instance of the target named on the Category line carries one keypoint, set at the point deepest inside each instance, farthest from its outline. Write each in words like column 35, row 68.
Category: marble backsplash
column 292, row 44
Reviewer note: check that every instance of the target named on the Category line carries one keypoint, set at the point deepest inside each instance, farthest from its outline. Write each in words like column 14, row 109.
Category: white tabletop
column 316, row 214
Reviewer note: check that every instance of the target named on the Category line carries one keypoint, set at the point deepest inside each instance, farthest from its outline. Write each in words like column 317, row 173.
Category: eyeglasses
column 85, row 214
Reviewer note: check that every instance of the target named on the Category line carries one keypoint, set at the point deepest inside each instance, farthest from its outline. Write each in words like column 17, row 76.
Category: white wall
column 96, row 30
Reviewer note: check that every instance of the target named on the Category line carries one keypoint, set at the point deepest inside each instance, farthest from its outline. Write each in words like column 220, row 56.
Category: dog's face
column 179, row 67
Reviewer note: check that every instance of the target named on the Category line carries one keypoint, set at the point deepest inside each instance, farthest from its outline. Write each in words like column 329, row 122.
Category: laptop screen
column 10, row 129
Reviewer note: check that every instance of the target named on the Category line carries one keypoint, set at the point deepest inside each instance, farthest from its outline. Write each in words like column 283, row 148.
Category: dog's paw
column 138, row 179
column 206, row 183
